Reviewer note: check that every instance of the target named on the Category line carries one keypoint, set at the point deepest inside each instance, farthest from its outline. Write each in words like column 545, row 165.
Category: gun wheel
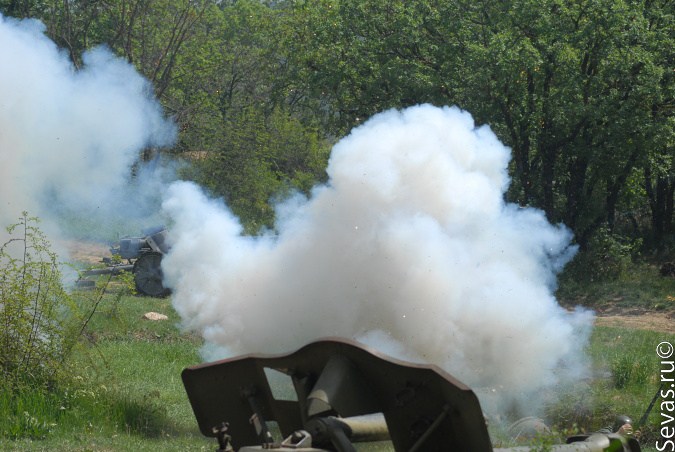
column 148, row 275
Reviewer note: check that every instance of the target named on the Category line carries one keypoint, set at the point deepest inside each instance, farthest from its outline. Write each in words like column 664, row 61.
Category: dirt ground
column 87, row 253
column 638, row 319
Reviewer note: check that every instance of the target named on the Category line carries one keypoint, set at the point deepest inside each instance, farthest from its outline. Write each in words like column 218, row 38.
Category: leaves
column 263, row 158
column 581, row 91
column 32, row 301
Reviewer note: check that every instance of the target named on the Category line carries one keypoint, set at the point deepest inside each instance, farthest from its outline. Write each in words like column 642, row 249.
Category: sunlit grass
column 122, row 389
column 641, row 287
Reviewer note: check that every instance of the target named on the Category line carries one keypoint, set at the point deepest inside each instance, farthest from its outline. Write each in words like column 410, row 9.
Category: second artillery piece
column 143, row 257
column 146, row 254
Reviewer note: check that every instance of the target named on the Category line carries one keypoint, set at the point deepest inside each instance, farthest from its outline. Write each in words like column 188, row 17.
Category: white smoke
column 409, row 247
column 70, row 137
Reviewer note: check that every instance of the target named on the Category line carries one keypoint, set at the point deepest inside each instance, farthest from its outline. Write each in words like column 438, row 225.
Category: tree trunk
column 660, row 191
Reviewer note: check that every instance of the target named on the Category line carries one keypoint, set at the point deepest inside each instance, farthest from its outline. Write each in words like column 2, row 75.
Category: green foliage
column 576, row 412
column 608, row 257
column 640, row 288
column 581, row 91
column 34, row 307
column 122, row 386
column 231, row 63
column 42, row 325
column 625, row 378
column 262, row 158
column 632, row 370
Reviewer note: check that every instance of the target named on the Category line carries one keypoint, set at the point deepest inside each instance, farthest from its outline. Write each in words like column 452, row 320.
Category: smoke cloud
column 409, row 247
column 70, row 137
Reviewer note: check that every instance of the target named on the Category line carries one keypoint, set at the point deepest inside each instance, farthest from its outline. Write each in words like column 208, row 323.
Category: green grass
column 639, row 288
column 625, row 378
column 629, row 359
column 122, row 389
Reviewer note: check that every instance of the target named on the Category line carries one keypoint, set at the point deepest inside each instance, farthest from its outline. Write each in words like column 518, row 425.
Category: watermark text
column 666, row 440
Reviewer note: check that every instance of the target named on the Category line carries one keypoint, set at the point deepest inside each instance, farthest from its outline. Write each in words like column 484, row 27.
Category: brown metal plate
column 412, row 397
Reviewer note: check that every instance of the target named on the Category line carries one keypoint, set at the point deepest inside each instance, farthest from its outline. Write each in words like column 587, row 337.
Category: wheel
column 148, row 275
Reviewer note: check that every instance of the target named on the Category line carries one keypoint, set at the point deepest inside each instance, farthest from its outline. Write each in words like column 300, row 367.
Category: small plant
column 628, row 370
column 26, row 414
column 40, row 325
column 143, row 415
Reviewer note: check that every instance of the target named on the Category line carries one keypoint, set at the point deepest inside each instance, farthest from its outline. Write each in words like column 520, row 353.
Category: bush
column 606, row 258
column 33, row 307
column 265, row 157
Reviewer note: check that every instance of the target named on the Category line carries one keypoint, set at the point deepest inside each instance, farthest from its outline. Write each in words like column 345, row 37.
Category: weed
column 34, row 337
column 630, row 370
column 26, row 414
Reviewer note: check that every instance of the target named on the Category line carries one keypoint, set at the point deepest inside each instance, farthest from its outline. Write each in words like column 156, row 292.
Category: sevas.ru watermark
column 666, row 441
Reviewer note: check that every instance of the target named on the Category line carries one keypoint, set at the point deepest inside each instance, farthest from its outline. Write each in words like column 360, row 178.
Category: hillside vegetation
column 581, row 91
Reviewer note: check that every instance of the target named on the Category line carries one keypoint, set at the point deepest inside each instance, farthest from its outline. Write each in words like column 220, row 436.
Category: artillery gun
column 337, row 395
column 146, row 254
column 141, row 256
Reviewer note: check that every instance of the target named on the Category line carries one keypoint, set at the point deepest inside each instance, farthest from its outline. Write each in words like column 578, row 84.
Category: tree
column 362, row 57
column 573, row 91
column 581, row 91
column 242, row 125
column 151, row 34
column 572, row 88
column 659, row 169
column 263, row 159
column 228, row 66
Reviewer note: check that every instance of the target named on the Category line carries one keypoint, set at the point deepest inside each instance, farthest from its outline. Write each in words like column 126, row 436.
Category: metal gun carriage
column 334, row 394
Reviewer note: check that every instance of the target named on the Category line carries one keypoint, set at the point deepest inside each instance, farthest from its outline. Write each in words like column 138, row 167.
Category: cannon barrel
column 366, row 428
column 113, row 269
column 373, row 427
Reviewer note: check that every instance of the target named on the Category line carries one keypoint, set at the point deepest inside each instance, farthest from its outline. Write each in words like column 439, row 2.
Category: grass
column 123, row 392
column 626, row 377
column 639, row 288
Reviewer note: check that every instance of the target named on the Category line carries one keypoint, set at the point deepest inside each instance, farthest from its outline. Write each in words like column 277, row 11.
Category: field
column 124, row 391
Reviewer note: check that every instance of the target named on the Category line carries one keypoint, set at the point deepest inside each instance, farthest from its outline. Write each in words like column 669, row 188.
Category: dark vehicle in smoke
column 143, row 257
column 333, row 394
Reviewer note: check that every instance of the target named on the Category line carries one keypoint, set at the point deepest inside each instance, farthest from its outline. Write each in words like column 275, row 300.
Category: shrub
column 606, row 258
column 33, row 307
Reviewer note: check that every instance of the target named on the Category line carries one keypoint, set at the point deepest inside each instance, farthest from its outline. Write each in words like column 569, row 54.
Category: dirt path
column 638, row 319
